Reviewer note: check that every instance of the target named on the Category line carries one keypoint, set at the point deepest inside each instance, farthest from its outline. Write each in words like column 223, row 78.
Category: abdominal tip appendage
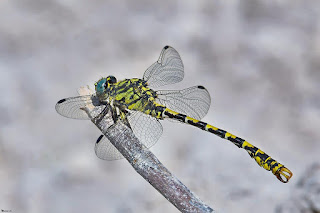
column 284, row 174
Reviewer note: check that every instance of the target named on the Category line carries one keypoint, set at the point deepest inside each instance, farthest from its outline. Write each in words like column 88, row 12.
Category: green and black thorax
column 132, row 94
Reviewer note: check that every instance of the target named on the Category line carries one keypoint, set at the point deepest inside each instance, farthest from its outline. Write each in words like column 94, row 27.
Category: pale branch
column 145, row 162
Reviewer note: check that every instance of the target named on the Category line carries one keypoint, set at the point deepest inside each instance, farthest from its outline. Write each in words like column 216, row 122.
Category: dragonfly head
column 102, row 86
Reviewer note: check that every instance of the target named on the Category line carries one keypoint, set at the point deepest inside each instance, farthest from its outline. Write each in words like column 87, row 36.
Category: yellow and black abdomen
column 133, row 94
column 263, row 160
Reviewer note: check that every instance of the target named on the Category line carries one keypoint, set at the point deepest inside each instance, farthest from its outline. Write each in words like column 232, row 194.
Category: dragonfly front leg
column 124, row 119
column 120, row 111
column 114, row 114
column 102, row 114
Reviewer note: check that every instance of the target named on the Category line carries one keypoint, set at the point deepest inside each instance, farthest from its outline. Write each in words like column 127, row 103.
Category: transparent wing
column 193, row 101
column 167, row 70
column 72, row 107
column 105, row 150
column 147, row 129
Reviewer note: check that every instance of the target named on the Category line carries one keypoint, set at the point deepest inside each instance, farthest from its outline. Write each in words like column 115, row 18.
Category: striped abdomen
column 264, row 160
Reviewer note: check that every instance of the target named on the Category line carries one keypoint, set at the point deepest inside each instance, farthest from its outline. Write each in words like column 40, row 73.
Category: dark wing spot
column 61, row 101
column 166, row 47
column 201, row 87
column 99, row 138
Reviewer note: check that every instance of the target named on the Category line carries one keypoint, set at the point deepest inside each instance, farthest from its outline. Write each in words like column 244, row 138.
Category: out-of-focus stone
column 306, row 196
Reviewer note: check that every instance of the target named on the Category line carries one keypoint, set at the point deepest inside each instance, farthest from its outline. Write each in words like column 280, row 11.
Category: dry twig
column 145, row 162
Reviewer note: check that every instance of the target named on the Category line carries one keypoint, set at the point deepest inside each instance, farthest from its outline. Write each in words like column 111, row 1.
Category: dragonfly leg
column 123, row 117
column 102, row 114
column 114, row 114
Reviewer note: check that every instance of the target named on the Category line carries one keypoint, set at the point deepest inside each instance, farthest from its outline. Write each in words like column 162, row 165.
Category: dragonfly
column 136, row 102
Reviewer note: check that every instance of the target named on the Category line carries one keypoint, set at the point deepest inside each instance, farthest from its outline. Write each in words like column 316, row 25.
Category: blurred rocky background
column 258, row 59
column 306, row 196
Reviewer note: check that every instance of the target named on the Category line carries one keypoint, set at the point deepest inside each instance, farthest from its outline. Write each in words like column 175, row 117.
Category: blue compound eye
column 101, row 85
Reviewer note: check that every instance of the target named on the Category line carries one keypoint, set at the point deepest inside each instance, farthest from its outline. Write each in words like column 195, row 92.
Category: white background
column 259, row 61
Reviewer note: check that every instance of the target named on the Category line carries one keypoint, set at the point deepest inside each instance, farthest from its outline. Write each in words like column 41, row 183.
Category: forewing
column 72, row 107
column 167, row 70
column 193, row 101
column 146, row 128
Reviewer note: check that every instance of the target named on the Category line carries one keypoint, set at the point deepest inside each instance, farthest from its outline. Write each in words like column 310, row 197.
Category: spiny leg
column 102, row 114
column 263, row 160
column 124, row 118
column 120, row 112
column 114, row 114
